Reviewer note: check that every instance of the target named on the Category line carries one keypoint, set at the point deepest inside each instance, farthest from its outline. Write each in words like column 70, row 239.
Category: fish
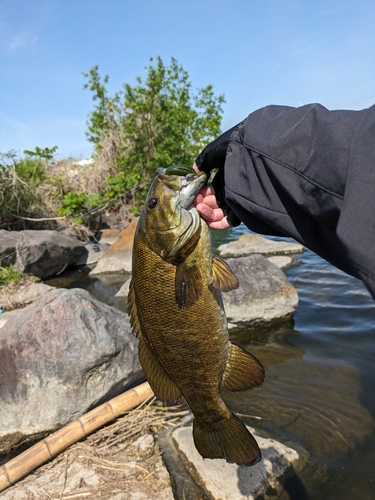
column 176, row 311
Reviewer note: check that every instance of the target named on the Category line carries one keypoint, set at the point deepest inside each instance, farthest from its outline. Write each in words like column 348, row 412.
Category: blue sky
column 256, row 52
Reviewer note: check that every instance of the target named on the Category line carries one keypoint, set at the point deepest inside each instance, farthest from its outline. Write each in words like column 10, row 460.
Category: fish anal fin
column 160, row 381
column 229, row 439
column 222, row 276
column 188, row 285
column 243, row 371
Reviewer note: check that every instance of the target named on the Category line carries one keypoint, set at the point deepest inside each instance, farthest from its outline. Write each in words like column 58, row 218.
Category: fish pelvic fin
column 159, row 379
column 222, row 276
column 188, row 285
column 243, row 371
column 228, row 439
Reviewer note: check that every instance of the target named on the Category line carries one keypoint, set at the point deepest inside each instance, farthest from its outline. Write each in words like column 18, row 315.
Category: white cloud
column 19, row 42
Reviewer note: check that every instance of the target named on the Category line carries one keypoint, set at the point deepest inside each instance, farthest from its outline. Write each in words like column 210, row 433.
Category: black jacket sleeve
column 308, row 173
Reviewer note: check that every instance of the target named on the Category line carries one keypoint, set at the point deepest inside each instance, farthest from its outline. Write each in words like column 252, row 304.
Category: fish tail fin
column 228, row 439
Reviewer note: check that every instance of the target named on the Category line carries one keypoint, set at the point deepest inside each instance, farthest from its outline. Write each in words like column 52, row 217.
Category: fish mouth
column 191, row 185
column 185, row 187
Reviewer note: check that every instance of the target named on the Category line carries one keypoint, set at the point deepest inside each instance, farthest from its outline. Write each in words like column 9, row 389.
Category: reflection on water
column 319, row 391
column 299, row 401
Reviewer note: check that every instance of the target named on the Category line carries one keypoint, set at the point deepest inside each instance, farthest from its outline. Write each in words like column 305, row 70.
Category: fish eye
column 152, row 202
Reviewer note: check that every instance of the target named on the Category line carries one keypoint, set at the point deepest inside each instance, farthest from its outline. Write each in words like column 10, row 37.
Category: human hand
column 206, row 204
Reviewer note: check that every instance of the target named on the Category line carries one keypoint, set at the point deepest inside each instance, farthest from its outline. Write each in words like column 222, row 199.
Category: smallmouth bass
column 177, row 314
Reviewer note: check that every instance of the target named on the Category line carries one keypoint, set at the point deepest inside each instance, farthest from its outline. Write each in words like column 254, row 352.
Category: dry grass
column 109, row 462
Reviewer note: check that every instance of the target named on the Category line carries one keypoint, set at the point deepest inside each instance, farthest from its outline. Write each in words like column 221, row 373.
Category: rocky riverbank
column 67, row 352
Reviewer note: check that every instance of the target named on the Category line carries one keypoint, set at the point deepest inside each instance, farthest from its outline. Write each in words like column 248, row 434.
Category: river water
column 319, row 391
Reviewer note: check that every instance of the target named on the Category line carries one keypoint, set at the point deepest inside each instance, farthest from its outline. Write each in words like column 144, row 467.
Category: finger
column 206, row 190
column 210, row 214
column 210, row 200
column 221, row 224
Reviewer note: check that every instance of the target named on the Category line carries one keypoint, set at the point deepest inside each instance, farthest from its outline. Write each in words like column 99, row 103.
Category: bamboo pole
column 51, row 446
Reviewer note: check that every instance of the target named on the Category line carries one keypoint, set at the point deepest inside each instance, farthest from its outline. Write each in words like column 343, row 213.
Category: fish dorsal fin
column 243, row 371
column 222, row 276
column 161, row 383
column 188, row 284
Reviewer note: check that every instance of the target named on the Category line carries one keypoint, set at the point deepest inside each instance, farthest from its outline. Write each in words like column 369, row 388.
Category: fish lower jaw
column 188, row 233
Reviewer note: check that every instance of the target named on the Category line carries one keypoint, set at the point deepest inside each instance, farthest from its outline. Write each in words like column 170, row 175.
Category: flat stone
column 249, row 244
column 118, row 257
column 281, row 261
column 223, row 481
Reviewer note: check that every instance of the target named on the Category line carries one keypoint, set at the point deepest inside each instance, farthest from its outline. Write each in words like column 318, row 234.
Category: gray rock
column 60, row 357
column 264, row 296
column 144, row 442
column 223, row 481
column 249, row 244
column 8, row 246
column 41, row 253
column 93, row 253
column 5, row 316
column 281, row 261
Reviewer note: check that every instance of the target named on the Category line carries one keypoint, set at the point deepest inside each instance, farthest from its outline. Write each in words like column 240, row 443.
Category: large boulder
column 41, row 253
column 60, row 357
column 264, row 296
column 118, row 257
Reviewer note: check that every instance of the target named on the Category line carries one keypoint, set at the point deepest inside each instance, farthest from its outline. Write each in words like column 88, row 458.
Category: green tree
column 152, row 124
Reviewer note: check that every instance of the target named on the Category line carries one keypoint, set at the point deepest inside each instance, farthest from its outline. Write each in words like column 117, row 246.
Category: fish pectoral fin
column 222, row 276
column 229, row 439
column 188, row 285
column 243, row 371
column 160, row 381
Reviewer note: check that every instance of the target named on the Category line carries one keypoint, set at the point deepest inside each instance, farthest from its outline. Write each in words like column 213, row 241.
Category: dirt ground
column 119, row 462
